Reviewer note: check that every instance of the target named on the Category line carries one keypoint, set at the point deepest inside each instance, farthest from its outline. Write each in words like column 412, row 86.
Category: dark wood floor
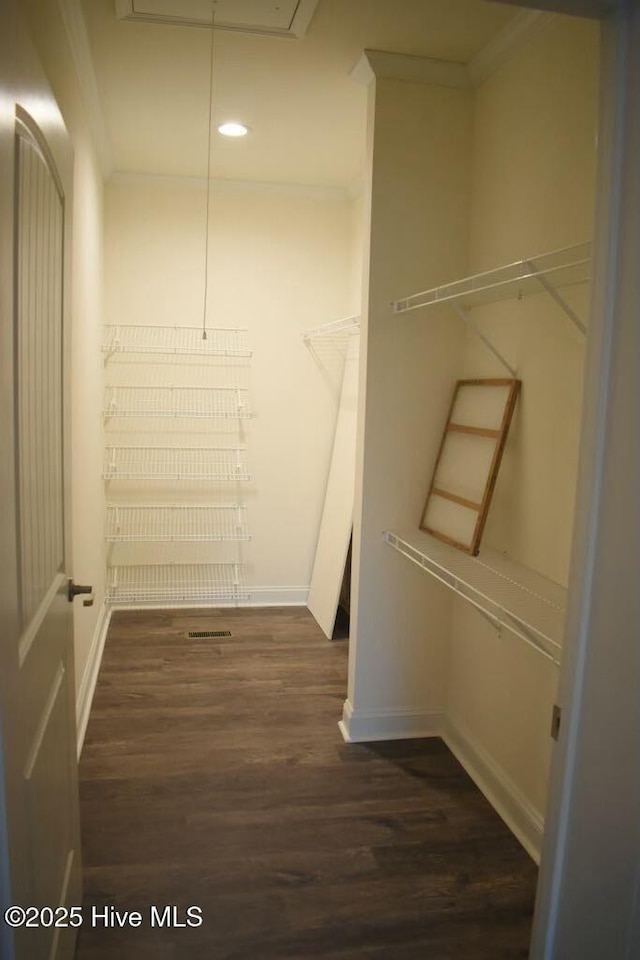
column 213, row 774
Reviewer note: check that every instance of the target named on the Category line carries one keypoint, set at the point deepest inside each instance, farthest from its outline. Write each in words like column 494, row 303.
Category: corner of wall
column 366, row 726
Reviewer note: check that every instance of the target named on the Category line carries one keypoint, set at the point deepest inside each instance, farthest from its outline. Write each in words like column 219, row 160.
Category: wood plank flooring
column 213, row 774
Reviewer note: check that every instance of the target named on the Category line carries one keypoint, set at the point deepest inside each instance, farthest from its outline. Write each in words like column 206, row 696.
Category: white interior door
column 39, row 799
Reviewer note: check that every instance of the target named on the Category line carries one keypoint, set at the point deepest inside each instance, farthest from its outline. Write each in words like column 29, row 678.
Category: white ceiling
column 305, row 112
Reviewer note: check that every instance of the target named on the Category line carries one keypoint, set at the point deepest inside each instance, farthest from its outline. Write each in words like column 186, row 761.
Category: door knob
column 76, row 588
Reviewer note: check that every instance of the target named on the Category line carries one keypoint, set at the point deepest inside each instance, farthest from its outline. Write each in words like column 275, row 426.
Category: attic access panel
column 468, row 461
column 284, row 18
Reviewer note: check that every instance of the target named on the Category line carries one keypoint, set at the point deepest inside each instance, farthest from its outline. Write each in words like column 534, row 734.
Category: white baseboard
column 524, row 821
column 87, row 687
column 277, row 597
column 402, row 723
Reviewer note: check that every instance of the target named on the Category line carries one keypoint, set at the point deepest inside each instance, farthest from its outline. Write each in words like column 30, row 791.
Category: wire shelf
column 187, row 402
column 175, row 523
column 548, row 271
column 508, row 594
column 175, row 463
column 177, row 341
column 176, row 583
column 349, row 326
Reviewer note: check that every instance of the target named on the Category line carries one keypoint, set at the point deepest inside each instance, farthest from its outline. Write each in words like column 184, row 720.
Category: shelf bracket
column 553, row 293
column 506, row 622
column 464, row 315
column 495, row 622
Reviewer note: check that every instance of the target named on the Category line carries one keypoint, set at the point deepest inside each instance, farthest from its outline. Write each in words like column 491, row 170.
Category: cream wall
column 87, row 546
column 533, row 169
column 419, row 183
column 280, row 262
column 533, row 191
column 534, row 146
column 462, row 180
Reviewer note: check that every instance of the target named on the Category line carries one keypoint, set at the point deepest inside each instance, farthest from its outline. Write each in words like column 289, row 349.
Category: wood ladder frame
column 500, row 436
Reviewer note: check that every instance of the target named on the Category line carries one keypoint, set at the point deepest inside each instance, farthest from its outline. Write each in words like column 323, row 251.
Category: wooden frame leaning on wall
column 475, row 433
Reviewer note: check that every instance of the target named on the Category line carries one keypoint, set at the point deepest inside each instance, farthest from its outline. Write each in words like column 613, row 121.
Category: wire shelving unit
column 508, row 594
column 224, row 464
column 185, row 402
column 330, row 344
column 174, row 341
column 547, row 272
column 337, row 329
column 560, row 268
column 172, row 569
column 176, row 583
column 127, row 523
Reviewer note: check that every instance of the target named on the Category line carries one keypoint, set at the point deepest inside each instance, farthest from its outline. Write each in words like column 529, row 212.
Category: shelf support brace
column 553, row 293
column 464, row 315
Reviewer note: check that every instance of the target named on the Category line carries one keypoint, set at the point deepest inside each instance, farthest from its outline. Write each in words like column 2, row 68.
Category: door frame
column 588, row 902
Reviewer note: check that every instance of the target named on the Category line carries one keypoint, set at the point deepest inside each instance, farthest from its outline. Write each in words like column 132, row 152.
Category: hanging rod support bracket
column 464, row 315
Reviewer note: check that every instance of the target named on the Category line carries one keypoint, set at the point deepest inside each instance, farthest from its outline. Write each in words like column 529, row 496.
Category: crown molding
column 338, row 194
column 400, row 66
column 504, row 45
column 445, row 73
column 76, row 30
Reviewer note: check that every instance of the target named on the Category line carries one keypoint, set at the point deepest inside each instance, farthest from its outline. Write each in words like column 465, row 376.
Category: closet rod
column 507, row 594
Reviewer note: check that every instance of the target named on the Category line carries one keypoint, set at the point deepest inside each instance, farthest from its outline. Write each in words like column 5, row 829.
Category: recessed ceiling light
column 233, row 129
